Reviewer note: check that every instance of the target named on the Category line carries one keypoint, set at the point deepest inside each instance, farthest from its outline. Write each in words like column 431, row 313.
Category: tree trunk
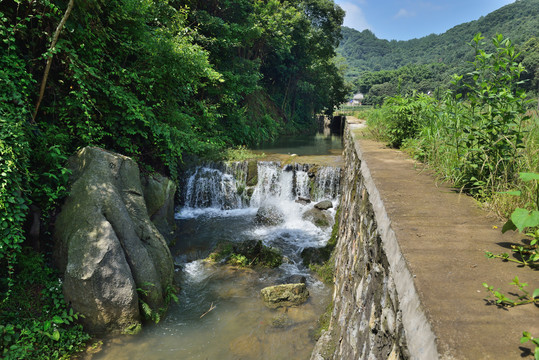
column 49, row 59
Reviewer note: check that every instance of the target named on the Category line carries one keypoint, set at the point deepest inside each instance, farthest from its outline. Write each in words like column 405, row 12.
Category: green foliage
column 526, row 336
column 524, row 219
column 238, row 260
column 424, row 78
column 276, row 58
column 476, row 134
column 138, row 78
column 240, row 153
column 246, row 254
column 522, row 299
column 364, row 52
column 496, row 110
column 15, row 87
column 36, row 322
column 149, row 313
column 406, row 115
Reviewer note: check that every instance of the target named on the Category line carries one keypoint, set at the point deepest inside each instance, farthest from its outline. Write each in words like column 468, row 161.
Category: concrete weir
column 409, row 267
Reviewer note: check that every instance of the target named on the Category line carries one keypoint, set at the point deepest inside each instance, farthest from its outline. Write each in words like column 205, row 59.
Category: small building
column 357, row 99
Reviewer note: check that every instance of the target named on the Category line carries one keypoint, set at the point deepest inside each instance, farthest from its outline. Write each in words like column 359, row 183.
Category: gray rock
column 269, row 214
column 303, row 201
column 106, row 245
column 284, row 295
column 324, row 205
column 159, row 192
column 318, row 217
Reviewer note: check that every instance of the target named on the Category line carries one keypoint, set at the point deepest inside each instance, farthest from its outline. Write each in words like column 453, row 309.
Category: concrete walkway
column 443, row 236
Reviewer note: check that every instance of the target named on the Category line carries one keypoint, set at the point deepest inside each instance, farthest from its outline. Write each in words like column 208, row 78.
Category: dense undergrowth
column 156, row 80
column 35, row 322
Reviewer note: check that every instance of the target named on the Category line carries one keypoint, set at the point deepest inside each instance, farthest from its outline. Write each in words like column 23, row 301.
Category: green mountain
column 363, row 51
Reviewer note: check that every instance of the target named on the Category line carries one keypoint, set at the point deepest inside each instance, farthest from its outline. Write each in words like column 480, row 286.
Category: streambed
column 220, row 314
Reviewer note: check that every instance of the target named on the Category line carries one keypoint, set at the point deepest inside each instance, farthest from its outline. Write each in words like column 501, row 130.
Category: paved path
column 443, row 236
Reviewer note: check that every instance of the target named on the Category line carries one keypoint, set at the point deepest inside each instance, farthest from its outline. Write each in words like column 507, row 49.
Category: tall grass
column 479, row 137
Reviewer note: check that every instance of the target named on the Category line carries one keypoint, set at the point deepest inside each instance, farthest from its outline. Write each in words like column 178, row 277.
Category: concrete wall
column 376, row 312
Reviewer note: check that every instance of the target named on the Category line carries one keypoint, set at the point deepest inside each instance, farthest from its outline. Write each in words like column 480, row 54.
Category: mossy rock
column 284, row 295
column 317, row 217
column 252, row 173
column 247, row 253
column 314, row 255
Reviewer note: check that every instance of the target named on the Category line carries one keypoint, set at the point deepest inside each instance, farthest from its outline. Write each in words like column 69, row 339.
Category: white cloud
column 355, row 18
column 403, row 13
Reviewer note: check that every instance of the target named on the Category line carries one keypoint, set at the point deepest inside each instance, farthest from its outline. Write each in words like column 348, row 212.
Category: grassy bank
column 480, row 136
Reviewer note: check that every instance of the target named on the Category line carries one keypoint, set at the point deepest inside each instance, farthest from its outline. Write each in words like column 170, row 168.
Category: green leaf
column 55, row 335
column 522, row 218
column 57, row 320
column 508, row 226
column 535, row 293
column 528, row 176
column 514, row 192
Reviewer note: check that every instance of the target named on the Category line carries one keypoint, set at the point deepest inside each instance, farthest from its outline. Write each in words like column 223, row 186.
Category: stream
column 220, row 314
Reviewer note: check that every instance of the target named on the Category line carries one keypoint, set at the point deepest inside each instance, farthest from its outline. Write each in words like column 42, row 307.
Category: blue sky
column 408, row 19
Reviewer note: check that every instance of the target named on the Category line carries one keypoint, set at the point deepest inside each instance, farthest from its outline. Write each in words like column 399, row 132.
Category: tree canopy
column 152, row 79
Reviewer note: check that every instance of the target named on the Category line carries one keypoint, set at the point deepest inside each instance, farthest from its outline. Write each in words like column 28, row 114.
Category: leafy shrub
column 36, row 322
column 406, row 116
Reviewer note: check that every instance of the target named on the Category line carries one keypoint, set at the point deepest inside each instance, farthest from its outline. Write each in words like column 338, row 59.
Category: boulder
column 284, row 295
column 318, row 217
column 313, row 255
column 324, row 205
column 111, row 254
column 303, row 201
column 159, row 192
column 269, row 215
column 252, row 251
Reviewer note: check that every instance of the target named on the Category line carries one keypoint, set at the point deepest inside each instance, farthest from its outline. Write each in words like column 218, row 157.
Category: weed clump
column 246, row 254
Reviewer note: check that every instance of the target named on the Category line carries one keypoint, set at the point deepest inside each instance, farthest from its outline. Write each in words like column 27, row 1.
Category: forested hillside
column 363, row 51
column 381, row 68
column 155, row 80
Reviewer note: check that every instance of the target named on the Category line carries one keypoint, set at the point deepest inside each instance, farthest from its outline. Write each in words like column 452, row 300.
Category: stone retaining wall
column 376, row 312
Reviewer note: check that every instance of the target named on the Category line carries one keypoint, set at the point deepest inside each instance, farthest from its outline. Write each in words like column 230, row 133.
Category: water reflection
column 303, row 145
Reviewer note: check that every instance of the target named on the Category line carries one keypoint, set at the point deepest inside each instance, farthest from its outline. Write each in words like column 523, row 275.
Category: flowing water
column 220, row 314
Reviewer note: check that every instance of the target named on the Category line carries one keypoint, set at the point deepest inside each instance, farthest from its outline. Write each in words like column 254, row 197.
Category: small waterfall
column 327, row 183
column 273, row 182
column 218, row 186
column 223, row 186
